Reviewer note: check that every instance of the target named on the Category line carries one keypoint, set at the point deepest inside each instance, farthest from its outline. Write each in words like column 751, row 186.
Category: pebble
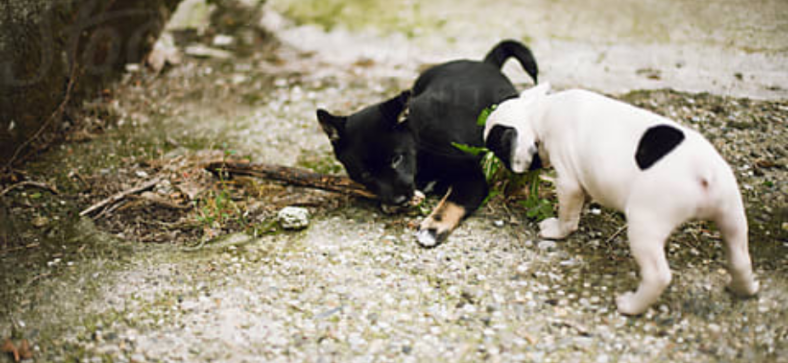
column 293, row 218
column 40, row 222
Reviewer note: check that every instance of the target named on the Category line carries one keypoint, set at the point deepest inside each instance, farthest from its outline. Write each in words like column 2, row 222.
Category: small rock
column 201, row 51
column 714, row 328
column 40, row 222
column 498, row 223
column 546, row 245
column 223, row 40
column 293, row 218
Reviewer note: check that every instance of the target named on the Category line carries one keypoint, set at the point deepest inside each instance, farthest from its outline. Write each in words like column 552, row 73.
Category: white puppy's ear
column 536, row 91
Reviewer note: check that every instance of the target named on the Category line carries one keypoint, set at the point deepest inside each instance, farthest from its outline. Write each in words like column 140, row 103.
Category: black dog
column 405, row 143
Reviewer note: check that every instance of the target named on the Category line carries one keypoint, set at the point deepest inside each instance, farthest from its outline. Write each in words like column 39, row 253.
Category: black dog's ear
column 332, row 125
column 396, row 109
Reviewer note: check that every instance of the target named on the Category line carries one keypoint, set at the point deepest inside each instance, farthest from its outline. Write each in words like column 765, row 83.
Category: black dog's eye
column 396, row 160
column 366, row 176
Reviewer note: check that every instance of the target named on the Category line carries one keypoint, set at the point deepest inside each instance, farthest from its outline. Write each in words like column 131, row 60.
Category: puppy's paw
column 431, row 233
column 427, row 238
column 551, row 229
column 744, row 288
column 628, row 304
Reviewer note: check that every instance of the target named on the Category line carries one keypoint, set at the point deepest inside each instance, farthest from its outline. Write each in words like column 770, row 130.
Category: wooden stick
column 616, row 234
column 294, row 176
column 120, row 196
column 30, row 184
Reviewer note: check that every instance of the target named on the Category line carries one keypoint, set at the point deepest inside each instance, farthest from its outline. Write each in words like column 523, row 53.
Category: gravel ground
column 354, row 286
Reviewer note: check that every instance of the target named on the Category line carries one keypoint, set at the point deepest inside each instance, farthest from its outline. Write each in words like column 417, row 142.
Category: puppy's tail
column 512, row 48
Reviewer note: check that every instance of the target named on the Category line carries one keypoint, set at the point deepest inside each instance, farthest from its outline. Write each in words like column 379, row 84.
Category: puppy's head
column 376, row 147
column 509, row 131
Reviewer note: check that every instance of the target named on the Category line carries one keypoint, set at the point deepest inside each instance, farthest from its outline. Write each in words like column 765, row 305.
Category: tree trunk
column 56, row 53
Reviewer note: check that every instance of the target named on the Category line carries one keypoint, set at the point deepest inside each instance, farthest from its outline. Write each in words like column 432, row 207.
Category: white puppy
column 659, row 173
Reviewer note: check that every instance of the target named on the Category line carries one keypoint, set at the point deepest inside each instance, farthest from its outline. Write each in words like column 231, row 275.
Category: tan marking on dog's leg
column 440, row 223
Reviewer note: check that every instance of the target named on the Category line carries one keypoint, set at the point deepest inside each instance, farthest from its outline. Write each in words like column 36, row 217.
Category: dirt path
column 354, row 286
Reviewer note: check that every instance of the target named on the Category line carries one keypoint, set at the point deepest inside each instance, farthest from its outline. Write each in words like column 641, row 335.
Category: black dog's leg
column 463, row 198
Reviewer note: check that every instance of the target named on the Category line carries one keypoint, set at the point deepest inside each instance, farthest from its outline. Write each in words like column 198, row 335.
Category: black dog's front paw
column 430, row 237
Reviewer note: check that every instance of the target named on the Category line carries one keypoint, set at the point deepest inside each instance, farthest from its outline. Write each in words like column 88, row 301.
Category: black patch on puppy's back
column 501, row 141
column 655, row 143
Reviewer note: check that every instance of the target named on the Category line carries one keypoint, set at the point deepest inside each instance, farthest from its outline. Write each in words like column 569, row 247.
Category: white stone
column 293, row 218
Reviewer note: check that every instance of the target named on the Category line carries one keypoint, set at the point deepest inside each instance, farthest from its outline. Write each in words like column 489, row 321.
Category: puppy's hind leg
column 647, row 234
column 732, row 222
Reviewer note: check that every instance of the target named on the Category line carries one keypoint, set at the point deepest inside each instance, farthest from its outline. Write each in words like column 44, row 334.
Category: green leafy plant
column 537, row 208
column 502, row 180
column 484, row 115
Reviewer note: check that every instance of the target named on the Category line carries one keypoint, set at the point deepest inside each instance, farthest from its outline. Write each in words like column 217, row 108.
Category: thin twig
column 37, row 277
column 616, row 234
column 14, row 249
column 29, row 183
column 163, row 202
column 109, row 210
column 120, row 196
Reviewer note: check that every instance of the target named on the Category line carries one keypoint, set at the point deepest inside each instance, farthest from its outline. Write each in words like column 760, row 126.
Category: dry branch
column 120, row 196
column 293, row 176
column 31, row 184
